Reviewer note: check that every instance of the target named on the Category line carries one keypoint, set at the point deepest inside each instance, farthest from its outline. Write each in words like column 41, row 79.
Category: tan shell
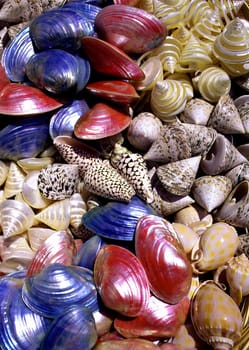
column 30, row 164
column 197, row 111
column 186, row 81
column 187, row 236
column 153, row 70
column 4, row 169
column 14, row 181
column 37, row 235
column 77, row 209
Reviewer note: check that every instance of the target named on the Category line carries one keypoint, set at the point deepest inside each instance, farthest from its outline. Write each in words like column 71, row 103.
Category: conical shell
column 238, row 173
column 178, row 177
column 172, row 144
column 78, row 209
column 211, row 191
column 242, row 105
column 15, row 217
column 14, row 181
column 186, row 81
column 225, row 117
column 56, row 215
column 221, row 157
column 197, row 111
column 104, row 180
column 4, row 169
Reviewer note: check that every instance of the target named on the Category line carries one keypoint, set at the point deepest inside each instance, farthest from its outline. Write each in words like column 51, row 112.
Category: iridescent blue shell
column 62, row 122
column 16, row 54
column 116, row 220
column 74, row 329
column 19, row 140
column 58, row 71
column 89, row 10
column 65, row 286
column 20, row 328
column 87, row 253
column 61, row 28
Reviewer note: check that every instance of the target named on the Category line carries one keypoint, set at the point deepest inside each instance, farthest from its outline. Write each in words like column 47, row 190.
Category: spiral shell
column 153, row 71
column 77, row 210
column 4, row 169
column 171, row 12
column 14, row 180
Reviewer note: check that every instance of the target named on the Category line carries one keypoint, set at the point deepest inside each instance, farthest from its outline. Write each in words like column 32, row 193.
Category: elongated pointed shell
column 123, row 286
column 211, row 191
column 14, row 181
column 77, row 210
column 178, row 177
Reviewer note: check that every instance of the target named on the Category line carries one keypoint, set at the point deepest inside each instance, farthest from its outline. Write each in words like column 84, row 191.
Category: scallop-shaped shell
column 65, row 285
column 60, row 28
column 217, row 244
column 77, row 209
column 215, row 316
column 168, row 98
column 242, row 105
column 16, row 54
column 231, row 47
column 178, row 177
column 197, row 111
column 153, row 71
column 14, row 181
column 15, row 217
column 79, row 330
column 58, row 71
column 56, row 215
column 4, row 169
column 130, row 28
column 163, row 257
column 211, row 191
column 225, row 117
column 101, row 121
column 212, row 83
column 116, row 220
column 123, row 286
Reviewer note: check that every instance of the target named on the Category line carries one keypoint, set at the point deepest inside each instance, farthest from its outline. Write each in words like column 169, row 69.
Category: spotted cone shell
column 197, row 111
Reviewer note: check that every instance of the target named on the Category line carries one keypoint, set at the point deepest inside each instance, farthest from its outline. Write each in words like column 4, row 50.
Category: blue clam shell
column 20, row 328
column 58, row 71
column 87, row 253
column 58, row 286
column 62, row 122
column 74, row 329
column 16, row 54
column 19, row 140
column 89, row 10
column 61, row 28
column 116, row 220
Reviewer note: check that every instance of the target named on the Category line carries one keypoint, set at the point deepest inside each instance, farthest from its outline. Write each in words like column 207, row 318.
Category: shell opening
column 220, row 343
column 216, row 151
column 241, row 192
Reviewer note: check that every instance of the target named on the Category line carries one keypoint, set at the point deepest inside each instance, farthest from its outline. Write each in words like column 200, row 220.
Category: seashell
column 16, row 332
column 187, row 236
column 15, row 217
column 63, row 121
column 229, row 10
column 234, row 210
column 105, row 181
column 153, row 71
column 4, row 80
column 221, row 157
column 212, row 83
column 59, row 247
column 74, row 151
column 187, row 216
column 237, row 277
column 37, row 235
column 186, row 81
column 225, row 117
column 34, row 164
column 244, row 150
column 182, row 33
column 178, row 177
column 65, row 285
column 171, row 145
column 19, row 99
column 86, row 255
column 3, row 38
column 215, row 316
column 197, row 111
column 78, row 326
column 211, row 191
column 168, row 98
column 101, row 121
column 241, row 103
column 4, row 170
column 116, row 220
column 126, row 344
column 211, row 253
column 231, row 47
column 162, row 270
column 31, row 192
column 133, row 168
column 114, row 90
column 123, row 286
column 238, row 173
column 114, row 61
column 170, row 13
column 58, row 181
column 184, row 336
column 56, row 215
column 77, row 209
column 89, row 9
column 158, row 320
column 16, row 54
column 143, row 130
column 136, row 30
column 58, row 71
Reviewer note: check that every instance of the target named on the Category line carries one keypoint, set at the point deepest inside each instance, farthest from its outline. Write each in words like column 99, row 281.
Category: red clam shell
column 100, row 121
column 158, row 320
column 108, row 59
column 121, row 280
column 3, row 78
column 126, row 344
column 161, row 253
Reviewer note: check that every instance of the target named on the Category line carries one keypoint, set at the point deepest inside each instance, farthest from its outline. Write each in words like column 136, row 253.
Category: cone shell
column 4, row 169
column 211, row 191
column 241, row 104
column 238, row 173
column 216, row 317
column 178, row 177
column 15, row 217
column 77, row 210
column 14, row 180
column 197, row 111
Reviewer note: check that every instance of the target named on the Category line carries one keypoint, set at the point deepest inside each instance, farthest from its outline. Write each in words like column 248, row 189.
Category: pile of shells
column 124, row 175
